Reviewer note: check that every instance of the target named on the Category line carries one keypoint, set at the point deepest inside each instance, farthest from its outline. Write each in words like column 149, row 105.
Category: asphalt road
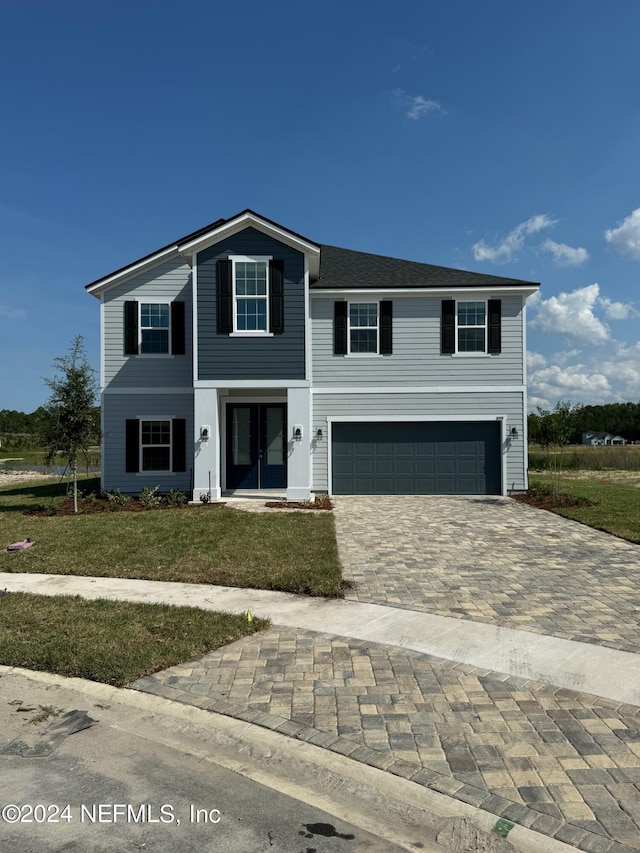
column 144, row 781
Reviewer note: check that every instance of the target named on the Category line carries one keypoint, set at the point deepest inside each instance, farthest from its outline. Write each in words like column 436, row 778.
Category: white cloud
column 578, row 383
column 417, row 106
column 534, row 360
column 11, row 313
column 573, row 314
column 617, row 310
column 626, row 237
column 563, row 255
column 510, row 246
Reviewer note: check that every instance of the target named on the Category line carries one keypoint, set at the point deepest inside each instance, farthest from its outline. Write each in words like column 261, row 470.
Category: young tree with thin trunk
column 70, row 422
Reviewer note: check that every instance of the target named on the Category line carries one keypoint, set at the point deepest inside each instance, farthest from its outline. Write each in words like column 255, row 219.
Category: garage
column 416, row 458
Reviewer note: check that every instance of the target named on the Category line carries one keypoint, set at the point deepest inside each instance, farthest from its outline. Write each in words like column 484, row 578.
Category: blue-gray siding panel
column 416, row 358
column 117, row 408
column 279, row 357
column 167, row 281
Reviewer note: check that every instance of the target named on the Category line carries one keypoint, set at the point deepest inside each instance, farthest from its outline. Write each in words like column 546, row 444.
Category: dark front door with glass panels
column 256, row 457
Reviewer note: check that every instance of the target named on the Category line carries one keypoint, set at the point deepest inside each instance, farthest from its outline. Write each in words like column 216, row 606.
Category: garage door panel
column 416, row 458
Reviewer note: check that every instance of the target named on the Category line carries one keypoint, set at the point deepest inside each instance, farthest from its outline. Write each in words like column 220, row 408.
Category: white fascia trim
column 134, row 269
column 420, row 389
column 102, row 343
column 147, row 390
column 252, row 383
column 239, row 224
column 194, row 300
column 307, row 323
column 501, row 419
column 392, row 419
column 525, row 401
column 412, row 291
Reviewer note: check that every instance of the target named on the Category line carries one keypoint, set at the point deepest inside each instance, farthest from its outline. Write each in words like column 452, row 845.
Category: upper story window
column 471, row 326
column 154, row 327
column 363, row 327
column 251, row 295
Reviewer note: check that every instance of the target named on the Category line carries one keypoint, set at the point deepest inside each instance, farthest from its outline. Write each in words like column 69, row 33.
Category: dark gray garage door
column 416, row 458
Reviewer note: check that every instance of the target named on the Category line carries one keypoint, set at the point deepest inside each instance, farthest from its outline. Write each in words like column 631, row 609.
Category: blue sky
column 501, row 137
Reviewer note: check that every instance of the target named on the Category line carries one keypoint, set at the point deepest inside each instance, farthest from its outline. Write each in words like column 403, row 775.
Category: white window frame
column 146, row 301
column 484, row 327
column 250, row 333
column 375, row 302
column 155, row 419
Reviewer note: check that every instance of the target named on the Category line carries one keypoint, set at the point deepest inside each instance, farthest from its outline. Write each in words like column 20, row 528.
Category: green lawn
column 618, row 501
column 294, row 552
column 115, row 642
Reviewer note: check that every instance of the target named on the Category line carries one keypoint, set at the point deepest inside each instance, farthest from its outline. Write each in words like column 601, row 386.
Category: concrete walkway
column 373, row 683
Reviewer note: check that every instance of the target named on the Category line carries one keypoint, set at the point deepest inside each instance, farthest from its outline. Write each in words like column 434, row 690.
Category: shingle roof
column 344, row 269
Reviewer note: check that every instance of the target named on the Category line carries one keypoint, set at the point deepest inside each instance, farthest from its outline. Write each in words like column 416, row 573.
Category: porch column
column 206, row 450
column 299, row 449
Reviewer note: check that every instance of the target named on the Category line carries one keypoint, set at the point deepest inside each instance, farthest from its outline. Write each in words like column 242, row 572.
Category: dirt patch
column 319, row 502
column 13, row 478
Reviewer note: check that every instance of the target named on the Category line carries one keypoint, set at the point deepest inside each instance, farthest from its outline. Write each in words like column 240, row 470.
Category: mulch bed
column 551, row 501
column 91, row 507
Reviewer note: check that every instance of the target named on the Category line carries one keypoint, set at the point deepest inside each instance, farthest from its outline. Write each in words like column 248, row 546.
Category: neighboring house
column 247, row 357
column 598, row 438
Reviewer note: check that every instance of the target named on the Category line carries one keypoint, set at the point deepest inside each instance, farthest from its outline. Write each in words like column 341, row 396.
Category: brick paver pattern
column 564, row 763
column 492, row 560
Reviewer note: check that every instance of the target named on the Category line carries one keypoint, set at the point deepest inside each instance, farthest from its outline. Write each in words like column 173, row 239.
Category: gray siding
column 416, row 358
column 277, row 357
column 170, row 279
column 387, row 407
column 117, row 408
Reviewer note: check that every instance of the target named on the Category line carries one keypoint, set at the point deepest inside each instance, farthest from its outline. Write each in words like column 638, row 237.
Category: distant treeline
column 617, row 418
column 19, row 430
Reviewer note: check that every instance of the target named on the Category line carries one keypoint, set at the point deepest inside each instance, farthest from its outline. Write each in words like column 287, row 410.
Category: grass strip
column 618, row 503
column 292, row 552
column 115, row 642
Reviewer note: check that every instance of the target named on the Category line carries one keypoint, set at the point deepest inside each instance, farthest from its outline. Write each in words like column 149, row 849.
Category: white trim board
column 420, row 389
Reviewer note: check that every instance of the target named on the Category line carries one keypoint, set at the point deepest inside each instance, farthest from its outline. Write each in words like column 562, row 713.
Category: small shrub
column 149, row 498
column 118, row 498
column 175, row 497
column 205, row 497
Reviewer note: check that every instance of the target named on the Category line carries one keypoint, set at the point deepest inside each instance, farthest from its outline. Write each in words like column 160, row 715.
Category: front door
column 256, row 457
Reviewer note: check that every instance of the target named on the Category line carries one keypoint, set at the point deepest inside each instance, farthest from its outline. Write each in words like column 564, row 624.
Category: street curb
column 401, row 781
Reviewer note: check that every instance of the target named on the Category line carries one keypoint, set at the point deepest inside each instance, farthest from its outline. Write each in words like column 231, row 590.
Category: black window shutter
column 225, row 297
column 132, row 446
column 448, row 327
column 340, row 328
column 495, row 326
column 386, row 327
column 131, row 328
column 179, row 461
column 177, row 328
column 276, row 297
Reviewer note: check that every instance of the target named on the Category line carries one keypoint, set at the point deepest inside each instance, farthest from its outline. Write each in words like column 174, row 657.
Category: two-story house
column 247, row 357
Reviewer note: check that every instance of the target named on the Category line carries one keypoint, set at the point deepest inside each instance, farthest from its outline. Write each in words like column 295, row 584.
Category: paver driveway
column 492, row 560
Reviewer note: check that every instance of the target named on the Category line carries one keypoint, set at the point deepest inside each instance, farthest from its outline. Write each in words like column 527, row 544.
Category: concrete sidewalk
column 604, row 672
column 381, row 686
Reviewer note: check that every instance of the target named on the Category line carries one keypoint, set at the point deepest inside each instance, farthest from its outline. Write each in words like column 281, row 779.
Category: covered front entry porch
column 252, row 440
